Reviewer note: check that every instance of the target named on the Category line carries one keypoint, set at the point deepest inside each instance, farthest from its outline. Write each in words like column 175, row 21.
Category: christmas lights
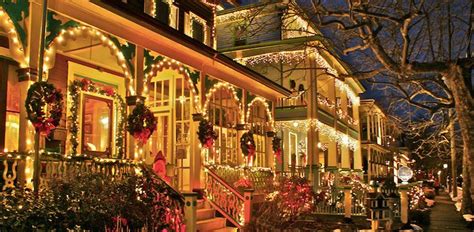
column 194, row 17
column 73, row 33
column 297, row 56
column 225, row 86
column 16, row 47
column 167, row 63
column 75, row 90
column 331, row 133
column 261, row 100
column 235, row 16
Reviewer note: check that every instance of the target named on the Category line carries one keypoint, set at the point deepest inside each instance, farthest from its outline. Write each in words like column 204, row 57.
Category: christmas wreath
column 206, row 134
column 247, row 144
column 42, row 96
column 141, row 123
column 276, row 146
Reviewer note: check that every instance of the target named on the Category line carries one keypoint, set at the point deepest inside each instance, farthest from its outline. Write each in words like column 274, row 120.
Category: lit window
column 97, row 126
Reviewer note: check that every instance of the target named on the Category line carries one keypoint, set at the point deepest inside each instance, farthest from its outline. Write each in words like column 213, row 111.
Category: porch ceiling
column 144, row 31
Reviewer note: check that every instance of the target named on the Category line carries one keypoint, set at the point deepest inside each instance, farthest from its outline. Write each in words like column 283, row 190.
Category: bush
column 94, row 202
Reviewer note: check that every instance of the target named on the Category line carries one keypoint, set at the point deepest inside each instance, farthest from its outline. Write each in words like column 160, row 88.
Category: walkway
column 444, row 216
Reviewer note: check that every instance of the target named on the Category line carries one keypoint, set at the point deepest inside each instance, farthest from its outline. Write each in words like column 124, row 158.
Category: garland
column 276, row 146
column 247, row 144
column 141, row 123
column 86, row 85
column 206, row 134
column 42, row 95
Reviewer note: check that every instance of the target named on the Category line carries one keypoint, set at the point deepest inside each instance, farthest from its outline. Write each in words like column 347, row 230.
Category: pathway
column 444, row 216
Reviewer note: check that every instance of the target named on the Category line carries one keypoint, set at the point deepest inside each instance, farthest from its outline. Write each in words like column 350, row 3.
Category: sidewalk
column 444, row 216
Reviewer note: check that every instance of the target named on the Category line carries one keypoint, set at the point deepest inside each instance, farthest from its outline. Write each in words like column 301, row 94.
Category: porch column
column 312, row 114
column 133, row 151
column 26, row 76
column 369, row 164
column 197, row 174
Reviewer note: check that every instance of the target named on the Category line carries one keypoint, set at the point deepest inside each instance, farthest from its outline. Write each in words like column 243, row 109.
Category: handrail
column 223, row 182
column 224, row 198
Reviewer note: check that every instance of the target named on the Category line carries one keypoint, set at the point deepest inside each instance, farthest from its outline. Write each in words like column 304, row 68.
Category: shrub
column 94, row 202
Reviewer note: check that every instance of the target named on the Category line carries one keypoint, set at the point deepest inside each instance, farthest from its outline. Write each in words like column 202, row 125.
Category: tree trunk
column 464, row 107
column 454, row 165
column 466, row 207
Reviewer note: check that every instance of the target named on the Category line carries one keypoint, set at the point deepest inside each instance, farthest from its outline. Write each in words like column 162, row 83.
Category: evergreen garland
column 88, row 86
column 42, row 95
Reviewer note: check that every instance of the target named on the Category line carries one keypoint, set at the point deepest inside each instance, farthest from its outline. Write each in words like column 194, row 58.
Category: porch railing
column 335, row 204
column 261, row 178
column 223, row 197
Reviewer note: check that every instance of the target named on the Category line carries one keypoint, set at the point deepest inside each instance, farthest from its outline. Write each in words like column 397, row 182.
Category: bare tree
column 420, row 49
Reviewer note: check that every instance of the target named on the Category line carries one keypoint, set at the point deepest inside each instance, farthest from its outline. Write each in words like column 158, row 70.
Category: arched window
column 259, row 121
column 224, row 112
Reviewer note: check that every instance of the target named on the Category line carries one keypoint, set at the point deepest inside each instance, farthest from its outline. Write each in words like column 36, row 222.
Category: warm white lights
column 295, row 57
column 73, row 33
column 331, row 133
column 222, row 85
column 17, row 50
column 267, row 109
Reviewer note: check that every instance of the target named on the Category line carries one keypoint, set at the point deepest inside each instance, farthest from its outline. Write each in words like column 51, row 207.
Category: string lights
column 167, row 63
column 297, row 56
column 17, row 50
column 73, row 33
column 262, row 101
column 331, row 133
column 225, row 86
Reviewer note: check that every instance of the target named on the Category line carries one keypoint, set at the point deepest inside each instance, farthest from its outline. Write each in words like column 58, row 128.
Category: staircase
column 207, row 220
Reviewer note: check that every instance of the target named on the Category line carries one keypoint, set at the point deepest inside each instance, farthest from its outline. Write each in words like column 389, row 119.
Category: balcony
column 295, row 108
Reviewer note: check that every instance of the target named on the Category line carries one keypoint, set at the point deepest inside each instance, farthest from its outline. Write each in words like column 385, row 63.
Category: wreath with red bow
column 43, row 96
column 276, row 146
column 206, row 134
column 141, row 123
column 247, row 144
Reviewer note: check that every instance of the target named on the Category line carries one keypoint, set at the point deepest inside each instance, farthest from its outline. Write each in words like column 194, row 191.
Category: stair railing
column 232, row 204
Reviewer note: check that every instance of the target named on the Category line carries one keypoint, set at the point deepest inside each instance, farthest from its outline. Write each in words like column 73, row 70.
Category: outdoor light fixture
column 445, row 166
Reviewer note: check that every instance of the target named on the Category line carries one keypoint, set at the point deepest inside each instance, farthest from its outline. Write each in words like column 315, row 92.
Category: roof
column 144, row 20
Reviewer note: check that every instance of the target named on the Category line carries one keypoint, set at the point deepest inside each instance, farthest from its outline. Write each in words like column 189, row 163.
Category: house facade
column 319, row 122
column 383, row 146
column 105, row 57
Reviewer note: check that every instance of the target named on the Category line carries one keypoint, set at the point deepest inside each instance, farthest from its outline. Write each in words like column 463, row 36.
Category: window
column 350, row 110
column 223, row 112
column 240, row 35
column 12, row 117
column 198, row 31
column 97, row 125
column 163, row 11
column 351, row 158
column 258, row 120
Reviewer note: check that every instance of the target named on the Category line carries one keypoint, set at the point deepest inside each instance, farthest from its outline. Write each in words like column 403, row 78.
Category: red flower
column 278, row 155
column 209, row 143
column 85, row 83
column 142, row 136
column 109, row 91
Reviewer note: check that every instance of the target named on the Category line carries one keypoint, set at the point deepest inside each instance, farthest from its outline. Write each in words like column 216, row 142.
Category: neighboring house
column 318, row 123
column 383, row 146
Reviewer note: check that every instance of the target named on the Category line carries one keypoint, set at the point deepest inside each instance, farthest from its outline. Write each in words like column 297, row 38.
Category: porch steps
column 207, row 220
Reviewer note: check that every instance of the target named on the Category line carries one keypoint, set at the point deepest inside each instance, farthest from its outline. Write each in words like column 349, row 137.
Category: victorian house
column 261, row 68
column 319, row 122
